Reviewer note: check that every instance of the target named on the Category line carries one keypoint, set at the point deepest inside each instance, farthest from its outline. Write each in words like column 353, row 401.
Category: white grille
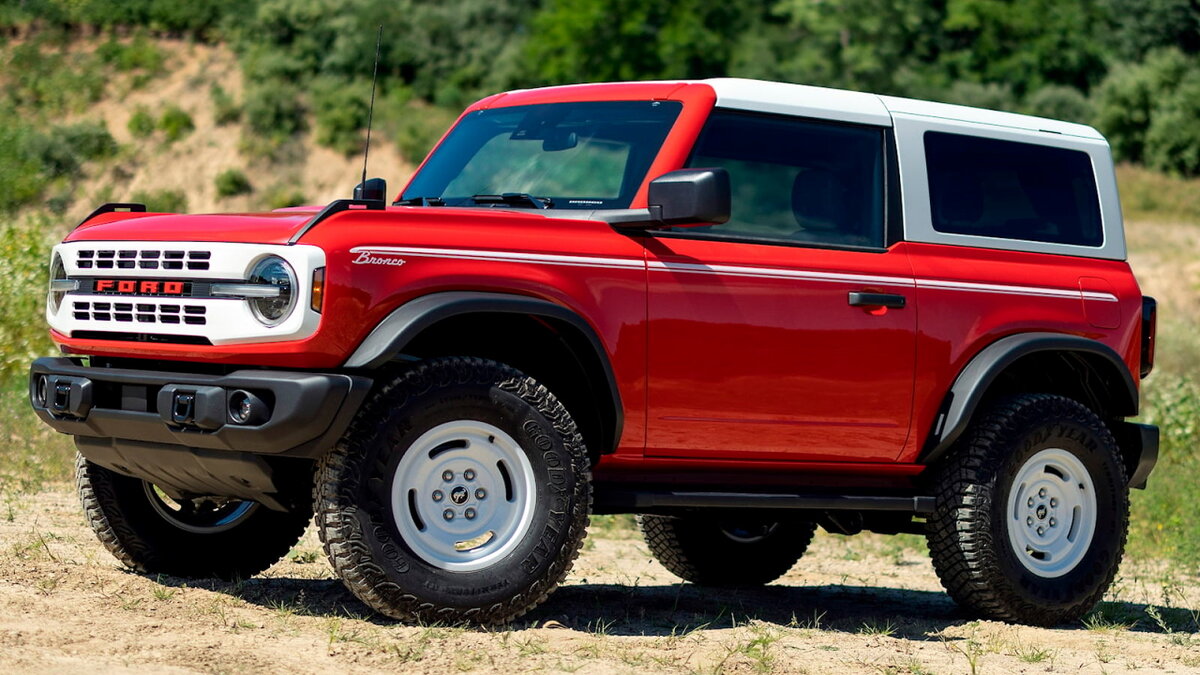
column 142, row 259
column 140, row 312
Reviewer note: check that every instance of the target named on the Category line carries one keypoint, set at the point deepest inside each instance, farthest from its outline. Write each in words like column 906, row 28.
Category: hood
column 254, row 228
column 278, row 227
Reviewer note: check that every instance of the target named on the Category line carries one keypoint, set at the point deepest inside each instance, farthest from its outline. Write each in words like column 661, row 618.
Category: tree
column 588, row 41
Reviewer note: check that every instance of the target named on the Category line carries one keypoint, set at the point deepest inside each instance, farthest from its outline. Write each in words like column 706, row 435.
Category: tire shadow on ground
column 676, row 609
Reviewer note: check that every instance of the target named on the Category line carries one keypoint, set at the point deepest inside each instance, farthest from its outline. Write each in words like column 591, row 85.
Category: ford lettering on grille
column 139, row 287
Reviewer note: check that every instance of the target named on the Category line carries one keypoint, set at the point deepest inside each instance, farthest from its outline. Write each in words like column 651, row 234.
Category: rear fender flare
column 973, row 383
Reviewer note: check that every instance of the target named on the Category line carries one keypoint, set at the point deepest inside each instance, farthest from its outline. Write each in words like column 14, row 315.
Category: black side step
column 616, row 501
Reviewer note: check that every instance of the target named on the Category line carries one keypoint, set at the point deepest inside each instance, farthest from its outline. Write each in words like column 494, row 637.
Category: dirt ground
column 861, row 604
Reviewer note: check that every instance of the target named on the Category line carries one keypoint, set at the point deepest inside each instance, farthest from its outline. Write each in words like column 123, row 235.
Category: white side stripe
column 506, row 256
column 733, row 271
column 775, row 273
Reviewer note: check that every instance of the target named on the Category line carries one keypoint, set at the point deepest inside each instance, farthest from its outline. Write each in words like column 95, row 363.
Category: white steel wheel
column 463, row 495
column 1051, row 513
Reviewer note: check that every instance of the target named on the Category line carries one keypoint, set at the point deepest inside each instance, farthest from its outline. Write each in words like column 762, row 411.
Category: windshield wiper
column 420, row 201
column 514, row 199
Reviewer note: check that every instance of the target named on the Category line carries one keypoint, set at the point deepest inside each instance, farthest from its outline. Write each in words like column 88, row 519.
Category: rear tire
column 739, row 552
column 461, row 493
column 196, row 539
column 1031, row 514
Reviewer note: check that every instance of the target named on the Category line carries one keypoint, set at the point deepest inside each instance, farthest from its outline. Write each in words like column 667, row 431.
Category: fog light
column 246, row 408
column 39, row 391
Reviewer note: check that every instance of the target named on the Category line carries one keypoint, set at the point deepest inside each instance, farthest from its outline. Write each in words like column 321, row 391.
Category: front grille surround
column 194, row 313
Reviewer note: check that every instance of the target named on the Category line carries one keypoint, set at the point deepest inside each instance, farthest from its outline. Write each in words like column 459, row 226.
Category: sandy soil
column 863, row 604
column 192, row 163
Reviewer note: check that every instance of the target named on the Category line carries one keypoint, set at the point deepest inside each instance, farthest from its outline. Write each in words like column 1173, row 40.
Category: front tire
column 196, row 539
column 1032, row 512
column 733, row 552
column 460, row 493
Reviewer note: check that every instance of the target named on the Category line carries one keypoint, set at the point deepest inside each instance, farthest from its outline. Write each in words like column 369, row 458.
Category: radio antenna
column 371, row 110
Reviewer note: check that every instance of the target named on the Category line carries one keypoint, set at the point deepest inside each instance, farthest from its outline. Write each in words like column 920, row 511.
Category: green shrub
column 1127, row 99
column 138, row 54
column 282, row 197
column 90, row 140
column 175, row 123
column 990, row 96
column 1173, row 137
column 1060, row 103
column 225, row 109
column 274, row 109
column 341, row 112
column 141, row 123
column 162, row 201
column 232, row 182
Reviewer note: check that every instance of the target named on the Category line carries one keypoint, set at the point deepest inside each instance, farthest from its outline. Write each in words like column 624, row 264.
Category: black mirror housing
column 374, row 189
column 691, row 196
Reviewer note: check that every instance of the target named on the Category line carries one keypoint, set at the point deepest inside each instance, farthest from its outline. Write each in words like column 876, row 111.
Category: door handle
column 861, row 299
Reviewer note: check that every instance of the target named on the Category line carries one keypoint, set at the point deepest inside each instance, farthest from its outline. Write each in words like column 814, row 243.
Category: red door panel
column 756, row 352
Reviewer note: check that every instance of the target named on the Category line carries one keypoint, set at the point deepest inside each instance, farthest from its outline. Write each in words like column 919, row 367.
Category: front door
column 780, row 334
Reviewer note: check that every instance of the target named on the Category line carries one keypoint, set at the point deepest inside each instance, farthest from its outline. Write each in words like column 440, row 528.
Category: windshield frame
column 447, row 162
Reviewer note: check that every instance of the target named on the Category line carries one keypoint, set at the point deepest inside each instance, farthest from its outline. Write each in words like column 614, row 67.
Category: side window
column 1009, row 190
column 795, row 180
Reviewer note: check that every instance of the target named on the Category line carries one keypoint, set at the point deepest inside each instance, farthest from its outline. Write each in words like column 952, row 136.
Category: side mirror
column 373, row 190
column 690, row 197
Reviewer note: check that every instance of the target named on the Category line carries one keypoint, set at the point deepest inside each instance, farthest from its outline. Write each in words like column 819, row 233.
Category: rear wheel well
column 549, row 350
column 1086, row 378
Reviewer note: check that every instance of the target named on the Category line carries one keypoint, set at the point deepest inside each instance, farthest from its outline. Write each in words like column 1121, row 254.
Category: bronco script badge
column 369, row 257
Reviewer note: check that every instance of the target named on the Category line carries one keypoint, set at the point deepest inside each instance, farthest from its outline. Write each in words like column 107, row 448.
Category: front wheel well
column 550, row 350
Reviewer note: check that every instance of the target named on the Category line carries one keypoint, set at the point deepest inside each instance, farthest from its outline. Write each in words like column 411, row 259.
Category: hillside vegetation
column 224, row 106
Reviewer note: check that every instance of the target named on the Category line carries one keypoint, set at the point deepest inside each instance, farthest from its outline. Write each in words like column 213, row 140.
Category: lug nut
column 1029, row 521
column 469, row 474
column 1041, row 531
column 1030, row 502
column 470, row 514
column 447, row 476
column 1053, row 502
column 438, row 496
column 448, row 514
column 480, row 493
column 1053, row 522
column 1042, row 492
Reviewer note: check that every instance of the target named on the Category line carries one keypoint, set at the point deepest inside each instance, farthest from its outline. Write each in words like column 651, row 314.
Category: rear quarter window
column 985, row 187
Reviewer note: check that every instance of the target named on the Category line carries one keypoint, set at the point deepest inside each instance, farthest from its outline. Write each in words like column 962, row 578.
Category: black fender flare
column 389, row 339
column 977, row 376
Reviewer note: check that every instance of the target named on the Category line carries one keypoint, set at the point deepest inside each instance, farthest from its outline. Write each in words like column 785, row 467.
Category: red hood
column 276, row 227
column 257, row 228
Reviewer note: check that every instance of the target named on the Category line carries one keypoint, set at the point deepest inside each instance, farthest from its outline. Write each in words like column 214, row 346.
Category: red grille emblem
column 132, row 286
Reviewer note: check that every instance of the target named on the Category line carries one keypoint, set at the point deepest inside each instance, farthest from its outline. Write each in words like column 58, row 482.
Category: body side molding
column 972, row 383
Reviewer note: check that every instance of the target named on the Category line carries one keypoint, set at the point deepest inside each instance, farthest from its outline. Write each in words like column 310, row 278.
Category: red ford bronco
column 739, row 309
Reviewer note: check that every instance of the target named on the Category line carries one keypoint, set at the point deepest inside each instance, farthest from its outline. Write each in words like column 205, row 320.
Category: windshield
column 591, row 155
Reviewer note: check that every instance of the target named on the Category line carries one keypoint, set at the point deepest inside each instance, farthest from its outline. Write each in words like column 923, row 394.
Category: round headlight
column 58, row 273
column 276, row 272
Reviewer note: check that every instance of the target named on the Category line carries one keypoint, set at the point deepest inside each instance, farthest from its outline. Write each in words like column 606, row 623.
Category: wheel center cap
column 1041, row 512
column 459, row 495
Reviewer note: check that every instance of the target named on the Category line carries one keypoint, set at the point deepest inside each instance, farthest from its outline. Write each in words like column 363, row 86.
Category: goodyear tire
column 1032, row 512
column 460, row 494
column 737, row 552
column 201, row 538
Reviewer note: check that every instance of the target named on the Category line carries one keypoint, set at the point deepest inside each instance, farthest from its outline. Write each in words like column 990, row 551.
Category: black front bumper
column 175, row 429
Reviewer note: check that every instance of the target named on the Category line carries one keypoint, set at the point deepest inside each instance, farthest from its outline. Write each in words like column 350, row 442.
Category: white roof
column 864, row 108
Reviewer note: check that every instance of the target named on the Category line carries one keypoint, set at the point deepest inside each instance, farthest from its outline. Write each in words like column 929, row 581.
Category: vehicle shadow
column 677, row 609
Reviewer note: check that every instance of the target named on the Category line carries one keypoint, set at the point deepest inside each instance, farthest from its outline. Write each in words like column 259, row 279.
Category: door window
column 796, row 181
